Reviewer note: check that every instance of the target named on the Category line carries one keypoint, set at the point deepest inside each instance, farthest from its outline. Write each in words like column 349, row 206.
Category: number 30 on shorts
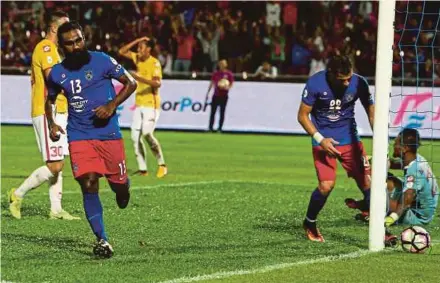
column 56, row 151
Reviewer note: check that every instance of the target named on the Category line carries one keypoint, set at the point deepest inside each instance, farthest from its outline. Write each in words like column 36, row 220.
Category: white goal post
column 384, row 58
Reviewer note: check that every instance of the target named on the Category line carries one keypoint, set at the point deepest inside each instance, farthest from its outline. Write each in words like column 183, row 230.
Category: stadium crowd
column 292, row 37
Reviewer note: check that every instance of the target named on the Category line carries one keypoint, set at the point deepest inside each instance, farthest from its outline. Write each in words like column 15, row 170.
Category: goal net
column 414, row 97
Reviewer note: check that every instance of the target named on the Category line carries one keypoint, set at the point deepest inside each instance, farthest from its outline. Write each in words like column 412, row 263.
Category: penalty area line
column 268, row 268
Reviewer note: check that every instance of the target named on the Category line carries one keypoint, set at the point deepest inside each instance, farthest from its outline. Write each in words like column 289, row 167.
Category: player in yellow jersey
column 45, row 55
column 145, row 117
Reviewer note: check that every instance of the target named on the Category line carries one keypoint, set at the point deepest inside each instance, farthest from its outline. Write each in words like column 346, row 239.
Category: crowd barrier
column 252, row 107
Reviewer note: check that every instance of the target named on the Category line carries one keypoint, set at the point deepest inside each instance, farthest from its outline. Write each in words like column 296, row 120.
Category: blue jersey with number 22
column 333, row 115
column 86, row 89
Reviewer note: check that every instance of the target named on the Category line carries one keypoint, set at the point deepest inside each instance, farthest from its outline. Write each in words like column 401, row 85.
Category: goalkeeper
column 414, row 199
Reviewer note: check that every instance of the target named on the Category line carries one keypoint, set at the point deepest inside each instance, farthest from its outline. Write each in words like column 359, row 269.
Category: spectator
column 166, row 61
column 300, row 58
column 185, row 45
column 266, row 71
column 317, row 63
column 290, row 16
column 209, row 44
column 245, row 39
column 278, row 44
column 318, row 40
column 273, row 13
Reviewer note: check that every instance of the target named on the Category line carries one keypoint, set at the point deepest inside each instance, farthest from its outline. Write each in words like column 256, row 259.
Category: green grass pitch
column 230, row 210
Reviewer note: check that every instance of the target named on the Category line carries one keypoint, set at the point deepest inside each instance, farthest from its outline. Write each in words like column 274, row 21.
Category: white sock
column 38, row 177
column 56, row 193
column 156, row 149
column 139, row 149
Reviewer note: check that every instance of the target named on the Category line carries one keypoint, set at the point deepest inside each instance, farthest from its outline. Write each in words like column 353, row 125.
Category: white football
column 415, row 239
column 223, row 83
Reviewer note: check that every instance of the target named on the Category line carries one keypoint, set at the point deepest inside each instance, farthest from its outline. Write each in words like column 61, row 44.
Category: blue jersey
column 333, row 115
column 419, row 177
column 86, row 89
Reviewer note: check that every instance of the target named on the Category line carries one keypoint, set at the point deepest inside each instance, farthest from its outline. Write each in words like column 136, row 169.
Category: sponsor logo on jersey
column 78, row 103
column 46, row 48
column 349, row 97
column 89, row 75
column 333, row 117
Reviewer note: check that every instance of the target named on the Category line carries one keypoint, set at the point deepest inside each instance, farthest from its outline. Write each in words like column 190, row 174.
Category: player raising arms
column 95, row 141
column 145, row 116
column 329, row 98
column 45, row 55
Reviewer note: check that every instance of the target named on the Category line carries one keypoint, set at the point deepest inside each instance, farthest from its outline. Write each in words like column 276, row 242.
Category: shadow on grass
column 27, row 210
column 64, row 244
column 335, row 231
column 22, row 177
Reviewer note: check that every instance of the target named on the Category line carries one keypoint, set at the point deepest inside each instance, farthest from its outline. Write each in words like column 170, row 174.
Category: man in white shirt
column 266, row 71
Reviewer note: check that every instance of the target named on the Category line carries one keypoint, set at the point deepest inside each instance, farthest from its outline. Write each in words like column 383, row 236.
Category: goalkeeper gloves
column 391, row 219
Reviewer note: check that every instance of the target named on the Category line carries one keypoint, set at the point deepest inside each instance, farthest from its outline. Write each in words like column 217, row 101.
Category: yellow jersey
column 45, row 55
column 146, row 96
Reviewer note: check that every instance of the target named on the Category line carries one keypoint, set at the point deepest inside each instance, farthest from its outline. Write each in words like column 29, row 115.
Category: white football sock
column 38, row 177
column 156, row 149
column 139, row 149
column 56, row 193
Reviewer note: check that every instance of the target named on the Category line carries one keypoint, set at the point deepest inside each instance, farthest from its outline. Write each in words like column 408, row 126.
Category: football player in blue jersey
column 95, row 141
column 414, row 199
column 327, row 114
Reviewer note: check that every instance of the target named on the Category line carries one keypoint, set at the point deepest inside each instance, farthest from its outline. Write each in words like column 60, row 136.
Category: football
column 223, row 83
column 415, row 239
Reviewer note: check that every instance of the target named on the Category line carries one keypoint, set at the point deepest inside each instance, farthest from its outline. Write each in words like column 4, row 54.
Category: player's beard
column 339, row 90
column 77, row 59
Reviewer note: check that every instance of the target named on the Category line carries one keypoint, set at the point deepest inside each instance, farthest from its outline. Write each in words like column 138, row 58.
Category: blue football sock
column 317, row 202
column 93, row 210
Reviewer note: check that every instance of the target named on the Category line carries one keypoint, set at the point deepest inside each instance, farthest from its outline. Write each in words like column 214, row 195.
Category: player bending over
column 149, row 77
column 414, row 199
column 45, row 55
column 95, row 141
column 329, row 98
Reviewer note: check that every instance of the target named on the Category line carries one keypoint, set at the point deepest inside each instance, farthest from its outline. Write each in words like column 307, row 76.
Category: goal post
column 384, row 59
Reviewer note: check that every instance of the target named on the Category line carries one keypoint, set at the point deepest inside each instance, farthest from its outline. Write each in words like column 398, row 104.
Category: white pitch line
column 226, row 274
column 172, row 185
